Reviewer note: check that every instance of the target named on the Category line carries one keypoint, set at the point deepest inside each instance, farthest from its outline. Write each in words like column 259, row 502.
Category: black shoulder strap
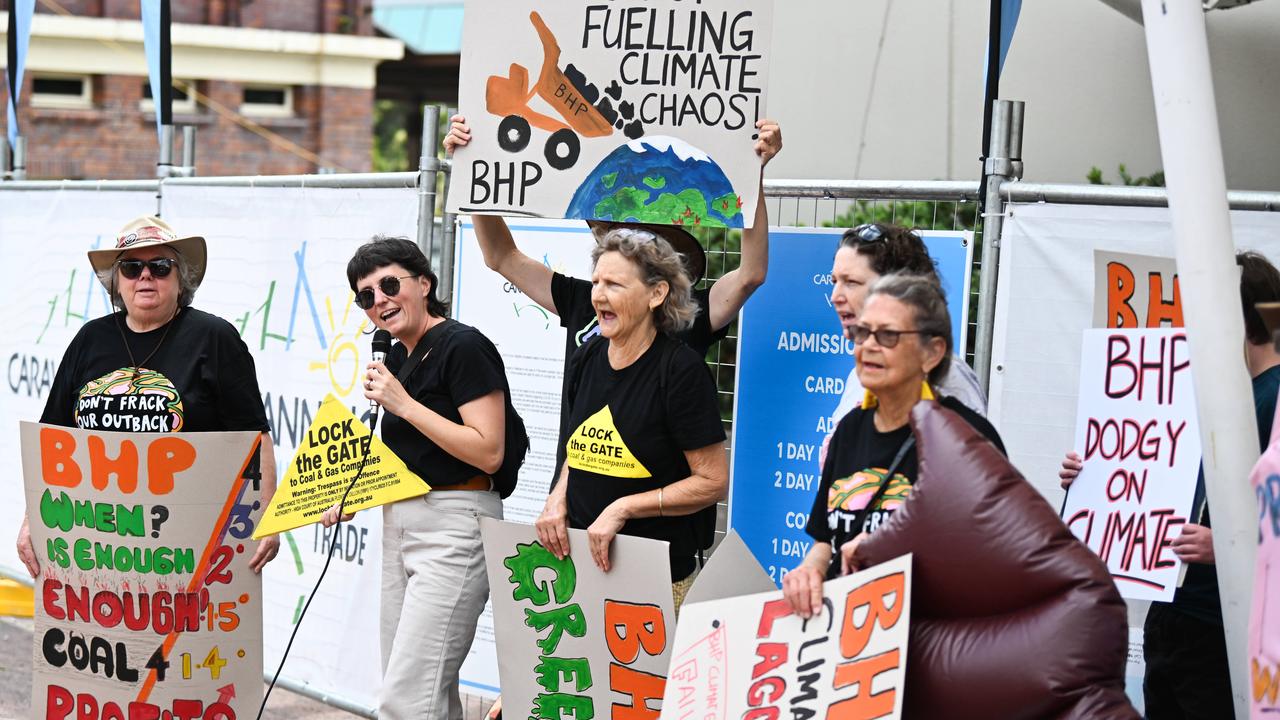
column 909, row 443
column 429, row 340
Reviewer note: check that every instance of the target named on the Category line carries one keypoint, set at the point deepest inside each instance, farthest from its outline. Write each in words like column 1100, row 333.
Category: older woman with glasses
column 866, row 253
column 644, row 442
column 444, row 390
column 193, row 368
column 904, row 345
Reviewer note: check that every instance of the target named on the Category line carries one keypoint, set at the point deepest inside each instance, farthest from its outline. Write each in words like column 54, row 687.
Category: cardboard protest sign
column 638, row 110
column 145, row 605
column 573, row 640
column 749, row 657
column 730, row 571
column 327, row 460
column 1264, row 612
column 1133, row 291
column 1137, row 431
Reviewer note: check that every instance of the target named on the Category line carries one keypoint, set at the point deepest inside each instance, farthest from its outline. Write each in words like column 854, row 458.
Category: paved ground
column 15, row 682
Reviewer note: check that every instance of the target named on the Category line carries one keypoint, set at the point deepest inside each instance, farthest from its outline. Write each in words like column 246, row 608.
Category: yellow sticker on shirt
column 597, row 446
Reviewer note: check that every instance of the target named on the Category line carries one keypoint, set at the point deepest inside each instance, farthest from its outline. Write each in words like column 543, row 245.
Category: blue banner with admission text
column 793, row 368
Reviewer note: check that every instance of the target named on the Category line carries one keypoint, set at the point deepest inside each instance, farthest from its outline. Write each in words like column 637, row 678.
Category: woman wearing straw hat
column 192, row 367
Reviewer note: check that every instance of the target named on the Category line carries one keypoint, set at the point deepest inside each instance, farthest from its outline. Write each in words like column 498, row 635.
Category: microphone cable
column 381, row 343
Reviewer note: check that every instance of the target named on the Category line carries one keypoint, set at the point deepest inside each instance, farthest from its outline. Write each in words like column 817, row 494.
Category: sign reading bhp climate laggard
column 751, row 658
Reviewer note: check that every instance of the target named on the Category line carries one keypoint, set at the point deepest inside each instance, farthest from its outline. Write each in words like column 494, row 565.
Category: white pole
column 1191, row 147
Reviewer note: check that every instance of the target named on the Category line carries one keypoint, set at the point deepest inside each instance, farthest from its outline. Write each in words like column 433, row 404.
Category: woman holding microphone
column 444, row 391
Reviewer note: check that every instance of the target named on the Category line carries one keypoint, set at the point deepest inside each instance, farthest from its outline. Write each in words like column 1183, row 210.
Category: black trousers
column 1187, row 676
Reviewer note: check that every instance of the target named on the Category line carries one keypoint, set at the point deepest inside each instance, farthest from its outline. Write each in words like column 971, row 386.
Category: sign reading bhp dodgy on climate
column 640, row 110
column 145, row 605
column 574, row 641
column 336, row 448
column 1137, row 432
column 750, row 658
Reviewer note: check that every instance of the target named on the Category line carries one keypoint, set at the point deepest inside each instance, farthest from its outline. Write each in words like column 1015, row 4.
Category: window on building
column 61, row 91
column 183, row 101
column 267, row 101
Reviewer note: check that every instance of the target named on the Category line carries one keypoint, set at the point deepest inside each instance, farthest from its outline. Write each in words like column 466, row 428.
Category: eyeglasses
column 885, row 337
column 160, row 267
column 389, row 285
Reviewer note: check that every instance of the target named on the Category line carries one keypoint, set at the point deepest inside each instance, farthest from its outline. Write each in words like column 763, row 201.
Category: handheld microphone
column 381, row 346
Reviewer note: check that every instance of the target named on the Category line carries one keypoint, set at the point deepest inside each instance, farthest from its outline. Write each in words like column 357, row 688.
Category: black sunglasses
column 389, row 285
column 160, row 267
column 869, row 233
column 885, row 337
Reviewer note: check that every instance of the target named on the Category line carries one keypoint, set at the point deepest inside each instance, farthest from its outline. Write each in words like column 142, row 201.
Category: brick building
column 277, row 87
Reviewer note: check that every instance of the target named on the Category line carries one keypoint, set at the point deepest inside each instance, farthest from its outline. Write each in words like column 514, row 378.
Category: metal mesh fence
column 816, row 207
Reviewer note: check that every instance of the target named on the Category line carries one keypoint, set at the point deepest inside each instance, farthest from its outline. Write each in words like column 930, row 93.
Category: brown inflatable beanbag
column 1012, row 616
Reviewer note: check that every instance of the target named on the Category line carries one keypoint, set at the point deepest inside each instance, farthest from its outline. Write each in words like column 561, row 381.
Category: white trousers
column 434, row 588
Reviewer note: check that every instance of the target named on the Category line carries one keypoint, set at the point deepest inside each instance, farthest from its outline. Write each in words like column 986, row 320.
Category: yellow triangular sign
column 326, row 462
column 597, row 446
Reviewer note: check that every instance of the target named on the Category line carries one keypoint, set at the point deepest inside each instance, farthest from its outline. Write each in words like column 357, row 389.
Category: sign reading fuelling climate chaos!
column 750, row 657
column 573, row 640
column 640, row 110
column 145, row 604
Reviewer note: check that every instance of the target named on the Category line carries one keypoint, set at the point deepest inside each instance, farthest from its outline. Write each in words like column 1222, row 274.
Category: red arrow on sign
column 226, row 694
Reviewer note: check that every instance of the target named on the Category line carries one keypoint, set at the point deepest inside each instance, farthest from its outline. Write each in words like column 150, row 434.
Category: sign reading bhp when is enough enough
column 145, row 605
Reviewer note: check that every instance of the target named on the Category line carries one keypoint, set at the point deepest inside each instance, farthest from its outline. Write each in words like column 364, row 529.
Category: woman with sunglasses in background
column 444, row 390
column 192, row 367
column 903, row 351
column 865, row 254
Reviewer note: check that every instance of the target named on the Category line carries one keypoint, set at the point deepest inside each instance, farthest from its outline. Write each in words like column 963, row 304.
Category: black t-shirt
column 630, row 429
column 857, row 459
column 463, row 366
column 200, row 378
column 572, row 298
column 1198, row 595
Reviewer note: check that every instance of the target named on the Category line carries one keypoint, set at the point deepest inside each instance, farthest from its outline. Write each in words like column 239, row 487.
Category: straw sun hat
column 148, row 231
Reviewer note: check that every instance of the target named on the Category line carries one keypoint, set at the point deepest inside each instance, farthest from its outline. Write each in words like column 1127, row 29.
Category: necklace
column 137, row 367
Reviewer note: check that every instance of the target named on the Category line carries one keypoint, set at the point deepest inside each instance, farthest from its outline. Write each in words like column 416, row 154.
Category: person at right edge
column 1184, row 644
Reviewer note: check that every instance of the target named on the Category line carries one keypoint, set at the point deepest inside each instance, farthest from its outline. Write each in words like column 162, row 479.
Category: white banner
column 277, row 271
column 531, row 342
column 50, row 293
column 1045, row 302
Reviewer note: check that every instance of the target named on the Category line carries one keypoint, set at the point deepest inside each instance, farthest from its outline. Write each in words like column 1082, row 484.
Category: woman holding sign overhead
column 157, row 364
column 903, row 349
column 444, row 390
column 644, row 442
